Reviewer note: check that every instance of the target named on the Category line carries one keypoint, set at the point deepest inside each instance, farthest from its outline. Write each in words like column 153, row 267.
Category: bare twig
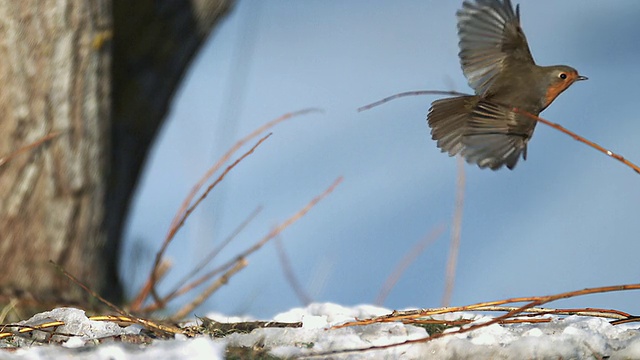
column 581, row 139
column 229, row 153
column 152, row 280
column 558, row 127
column 25, row 329
column 277, row 230
column 257, row 246
column 410, row 93
column 146, row 323
column 113, row 318
column 181, row 288
column 456, row 229
column 241, row 258
column 89, row 291
column 216, row 182
column 407, row 260
column 5, row 159
column 535, row 311
column 222, row 280
column 531, row 303
column 180, row 215
column 627, row 320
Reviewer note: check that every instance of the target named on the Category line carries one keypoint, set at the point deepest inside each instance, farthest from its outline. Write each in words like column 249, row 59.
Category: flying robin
column 498, row 65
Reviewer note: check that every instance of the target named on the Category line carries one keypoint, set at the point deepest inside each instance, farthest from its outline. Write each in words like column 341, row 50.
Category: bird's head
column 559, row 78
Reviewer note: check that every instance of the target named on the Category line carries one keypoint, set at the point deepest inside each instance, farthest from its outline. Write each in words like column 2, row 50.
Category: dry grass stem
column 409, row 258
column 88, row 290
column 456, row 230
column 22, row 329
column 290, row 275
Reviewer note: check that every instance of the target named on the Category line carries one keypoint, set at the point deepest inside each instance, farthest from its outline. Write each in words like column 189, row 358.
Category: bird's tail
column 484, row 133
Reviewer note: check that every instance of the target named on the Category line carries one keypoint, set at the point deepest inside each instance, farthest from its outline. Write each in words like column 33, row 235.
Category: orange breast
column 557, row 88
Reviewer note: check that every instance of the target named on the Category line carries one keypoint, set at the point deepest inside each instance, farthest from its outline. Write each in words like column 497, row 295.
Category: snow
column 76, row 323
column 199, row 348
column 573, row 337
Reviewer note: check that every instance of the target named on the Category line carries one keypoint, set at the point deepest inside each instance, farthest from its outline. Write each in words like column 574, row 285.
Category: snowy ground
column 569, row 338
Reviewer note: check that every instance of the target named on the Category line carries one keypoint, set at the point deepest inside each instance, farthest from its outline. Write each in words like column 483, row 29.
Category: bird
column 489, row 128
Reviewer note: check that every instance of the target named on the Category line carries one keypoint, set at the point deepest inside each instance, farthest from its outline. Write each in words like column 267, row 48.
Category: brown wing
column 490, row 40
column 484, row 133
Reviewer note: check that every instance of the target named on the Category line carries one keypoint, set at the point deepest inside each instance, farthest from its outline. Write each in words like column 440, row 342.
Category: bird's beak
column 580, row 77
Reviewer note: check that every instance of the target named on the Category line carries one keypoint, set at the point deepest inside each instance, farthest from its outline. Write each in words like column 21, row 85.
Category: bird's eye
column 562, row 76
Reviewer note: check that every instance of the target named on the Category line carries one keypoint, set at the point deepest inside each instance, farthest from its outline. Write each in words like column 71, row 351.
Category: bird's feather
column 491, row 39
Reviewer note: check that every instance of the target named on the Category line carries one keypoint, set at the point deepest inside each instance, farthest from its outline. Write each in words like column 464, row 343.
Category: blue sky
column 564, row 219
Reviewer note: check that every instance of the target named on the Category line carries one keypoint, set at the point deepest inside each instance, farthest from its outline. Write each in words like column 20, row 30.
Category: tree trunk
column 102, row 74
column 54, row 78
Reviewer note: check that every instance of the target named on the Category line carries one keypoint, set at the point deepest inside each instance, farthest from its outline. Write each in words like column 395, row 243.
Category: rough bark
column 103, row 74
column 54, row 78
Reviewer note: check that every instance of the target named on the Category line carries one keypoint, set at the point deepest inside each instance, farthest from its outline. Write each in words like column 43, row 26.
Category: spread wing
column 484, row 133
column 496, row 135
column 491, row 39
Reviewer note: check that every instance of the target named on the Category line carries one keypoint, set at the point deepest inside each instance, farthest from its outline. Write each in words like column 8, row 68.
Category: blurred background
column 563, row 220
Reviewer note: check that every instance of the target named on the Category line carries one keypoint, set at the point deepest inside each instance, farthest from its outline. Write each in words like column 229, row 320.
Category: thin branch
column 531, row 302
column 146, row 323
column 558, row 127
column 181, row 288
column 239, row 144
column 581, row 139
column 180, row 215
column 222, row 280
column 241, row 258
column 290, row 275
column 410, row 93
column 409, row 258
column 152, row 280
column 190, row 210
column 277, row 230
column 88, row 290
column 210, row 187
column 456, row 230
column 25, row 329
column 606, row 313
column 627, row 320
column 535, row 311
column 5, row 159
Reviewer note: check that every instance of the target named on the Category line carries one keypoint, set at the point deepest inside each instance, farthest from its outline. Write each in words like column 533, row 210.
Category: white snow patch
column 573, row 337
column 77, row 328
